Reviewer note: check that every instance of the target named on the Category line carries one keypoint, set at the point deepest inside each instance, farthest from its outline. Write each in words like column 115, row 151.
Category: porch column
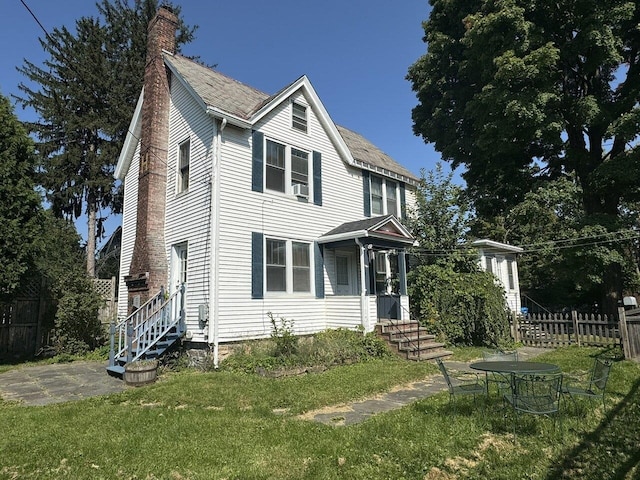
column 364, row 279
column 402, row 272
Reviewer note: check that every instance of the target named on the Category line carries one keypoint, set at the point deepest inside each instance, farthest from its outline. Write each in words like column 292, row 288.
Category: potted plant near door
column 141, row 372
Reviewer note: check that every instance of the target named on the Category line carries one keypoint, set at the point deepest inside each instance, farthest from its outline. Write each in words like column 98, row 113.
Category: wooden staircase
column 148, row 332
column 410, row 340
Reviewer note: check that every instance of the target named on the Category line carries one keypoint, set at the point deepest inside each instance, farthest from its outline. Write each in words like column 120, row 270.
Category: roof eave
column 130, row 141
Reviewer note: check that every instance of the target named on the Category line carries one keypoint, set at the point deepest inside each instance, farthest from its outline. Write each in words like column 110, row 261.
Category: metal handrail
column 402, row 333
column 147, row 325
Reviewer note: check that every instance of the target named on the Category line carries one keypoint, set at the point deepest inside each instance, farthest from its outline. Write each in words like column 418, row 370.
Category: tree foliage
column 465, row 308
column 84, row 96
column 522, row 93
column 449, row 293
column 20, row 208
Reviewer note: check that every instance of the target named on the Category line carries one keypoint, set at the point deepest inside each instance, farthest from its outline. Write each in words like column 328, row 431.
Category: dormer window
column 299, row 116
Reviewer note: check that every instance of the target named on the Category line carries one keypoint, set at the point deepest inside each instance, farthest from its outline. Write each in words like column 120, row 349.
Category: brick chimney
column 148, row 270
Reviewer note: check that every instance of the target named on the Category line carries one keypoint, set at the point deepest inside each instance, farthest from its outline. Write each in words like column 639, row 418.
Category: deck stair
column 148, row 332
column 410, row 340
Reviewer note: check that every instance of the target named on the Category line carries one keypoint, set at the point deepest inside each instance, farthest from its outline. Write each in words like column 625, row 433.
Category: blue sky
column 355, row 52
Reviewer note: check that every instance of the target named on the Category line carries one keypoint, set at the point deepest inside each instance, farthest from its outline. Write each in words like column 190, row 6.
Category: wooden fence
column 26, row 321
column 106, row 287
column 561, row 329
column 630, row 332
column 22, row 321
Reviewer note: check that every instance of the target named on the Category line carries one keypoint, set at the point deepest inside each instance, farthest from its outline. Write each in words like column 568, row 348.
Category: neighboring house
column 258, row 204
column 501, row 260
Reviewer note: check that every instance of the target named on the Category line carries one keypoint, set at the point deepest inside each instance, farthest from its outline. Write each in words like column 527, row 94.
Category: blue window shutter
column 366, row 188
column 317, row 178
column 403, row 201
column 257, row 265
column 257, row 143
column 319, row 262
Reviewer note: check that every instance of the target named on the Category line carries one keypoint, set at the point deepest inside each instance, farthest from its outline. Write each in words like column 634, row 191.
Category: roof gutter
column 228, row 118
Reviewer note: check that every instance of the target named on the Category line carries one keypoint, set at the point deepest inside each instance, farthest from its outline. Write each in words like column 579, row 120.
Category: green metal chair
column 535, row 394
column 457, row 384
column 502, row 381
column 595, row 387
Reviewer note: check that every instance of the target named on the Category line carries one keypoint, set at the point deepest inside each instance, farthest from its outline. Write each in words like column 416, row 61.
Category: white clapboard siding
column 129, row 216
column 343, row 311
column 188, row 214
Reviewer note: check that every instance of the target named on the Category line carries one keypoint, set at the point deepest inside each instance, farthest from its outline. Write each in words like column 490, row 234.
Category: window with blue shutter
column 319, row 264
column 257, row 265
column 257, row 144
column 317, row 178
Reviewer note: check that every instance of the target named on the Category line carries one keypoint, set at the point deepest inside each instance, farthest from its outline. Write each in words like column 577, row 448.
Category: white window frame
column 288, row 180
column 297, row 122
column 182, row 176
column 290, row 288
column 385, row 206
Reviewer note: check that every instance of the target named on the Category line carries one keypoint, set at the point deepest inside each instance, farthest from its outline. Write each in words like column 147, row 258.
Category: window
column 392, row 201
column 342, row 270
column 376, row 196
column 384, row 196
column 300, row 168
column 275, row 166
column 286, row 169
column 183, row 166
column 489, row 262
column 288, row 266
column 301, row 267
column 512, row 282
column 276, row 265
column 299, row 117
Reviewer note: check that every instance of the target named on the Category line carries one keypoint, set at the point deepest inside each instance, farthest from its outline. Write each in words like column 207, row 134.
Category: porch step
column 116, row 371
column 410, row 340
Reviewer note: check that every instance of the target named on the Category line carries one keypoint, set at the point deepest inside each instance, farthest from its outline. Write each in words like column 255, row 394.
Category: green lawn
column 236, row 426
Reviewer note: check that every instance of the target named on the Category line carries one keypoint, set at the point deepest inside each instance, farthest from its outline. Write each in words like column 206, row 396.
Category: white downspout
column 214, row 291
column 364, row 301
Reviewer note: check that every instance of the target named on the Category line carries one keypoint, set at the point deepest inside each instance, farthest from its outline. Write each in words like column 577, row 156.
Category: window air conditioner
column 300, row 190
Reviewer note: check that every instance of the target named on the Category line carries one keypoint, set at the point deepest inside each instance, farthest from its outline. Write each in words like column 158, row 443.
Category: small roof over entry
column 381, row 232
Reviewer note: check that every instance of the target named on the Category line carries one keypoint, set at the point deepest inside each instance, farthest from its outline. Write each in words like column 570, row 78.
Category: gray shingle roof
column 356, row 226
column 224, row 93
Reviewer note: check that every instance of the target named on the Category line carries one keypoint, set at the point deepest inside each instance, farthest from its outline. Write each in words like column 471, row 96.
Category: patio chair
column 535, row 394
column 502, row 381
column 462, row 383
column 595, row 387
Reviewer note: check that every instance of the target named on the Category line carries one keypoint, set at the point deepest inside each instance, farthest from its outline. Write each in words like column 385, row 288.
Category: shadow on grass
column 612, row 450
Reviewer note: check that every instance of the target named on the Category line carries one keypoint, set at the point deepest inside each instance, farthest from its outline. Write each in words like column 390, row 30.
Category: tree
column 522, row 93
column 440, row 219
column 85, row 98
column 20, row 204
column 449, row 293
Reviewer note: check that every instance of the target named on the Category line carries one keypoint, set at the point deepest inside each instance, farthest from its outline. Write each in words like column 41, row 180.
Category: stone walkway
column 60, row 382
column 47, row 384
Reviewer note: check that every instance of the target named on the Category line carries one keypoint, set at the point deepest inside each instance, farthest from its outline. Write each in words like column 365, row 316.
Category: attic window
column 183, row 166
column 299, row 117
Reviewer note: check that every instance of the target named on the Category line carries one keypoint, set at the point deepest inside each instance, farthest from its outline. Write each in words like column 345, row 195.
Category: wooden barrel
column 141, row 373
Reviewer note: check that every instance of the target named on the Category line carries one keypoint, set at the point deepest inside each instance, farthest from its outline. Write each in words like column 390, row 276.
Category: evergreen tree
column 20, row 204
column 85, row 96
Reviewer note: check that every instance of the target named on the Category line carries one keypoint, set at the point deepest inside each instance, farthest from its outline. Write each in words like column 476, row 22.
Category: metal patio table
column 515, row 367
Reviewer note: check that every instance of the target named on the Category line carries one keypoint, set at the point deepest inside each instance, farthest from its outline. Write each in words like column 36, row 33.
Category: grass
column 227, row 425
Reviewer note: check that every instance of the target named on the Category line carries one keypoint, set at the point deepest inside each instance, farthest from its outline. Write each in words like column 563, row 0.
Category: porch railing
column 143, row 329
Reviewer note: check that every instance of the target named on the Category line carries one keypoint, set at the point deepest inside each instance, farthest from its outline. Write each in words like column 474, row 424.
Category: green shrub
column 463, row 308
column 77, row 327
column 326, row 348
column 286, row 343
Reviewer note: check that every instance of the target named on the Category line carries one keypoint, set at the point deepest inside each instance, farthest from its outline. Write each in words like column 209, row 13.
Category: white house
column 258, row 203
column 501, row 260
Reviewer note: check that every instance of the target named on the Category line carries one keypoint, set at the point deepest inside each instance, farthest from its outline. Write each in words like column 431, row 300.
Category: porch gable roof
column 386, row 228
